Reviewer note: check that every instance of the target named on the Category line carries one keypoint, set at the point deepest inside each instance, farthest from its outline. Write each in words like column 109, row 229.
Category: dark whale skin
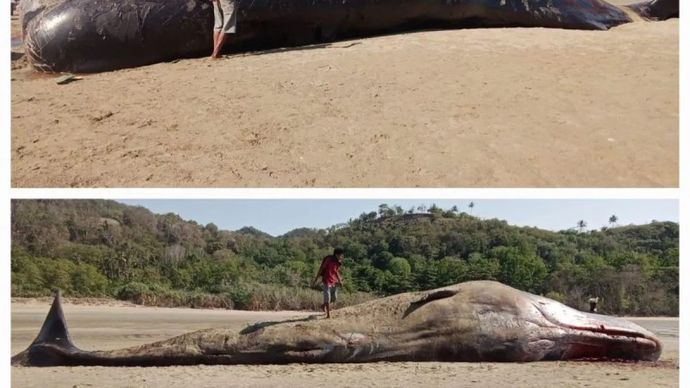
column 101, row 35
column 90, row 36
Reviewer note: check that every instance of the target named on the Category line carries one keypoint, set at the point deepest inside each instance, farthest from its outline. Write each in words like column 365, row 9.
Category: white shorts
column 225, row 16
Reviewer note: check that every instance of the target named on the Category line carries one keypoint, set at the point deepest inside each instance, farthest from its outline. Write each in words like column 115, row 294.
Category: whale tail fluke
column 656, row 9
column 53, row 342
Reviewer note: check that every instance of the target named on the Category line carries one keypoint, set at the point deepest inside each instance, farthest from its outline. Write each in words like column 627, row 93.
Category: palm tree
column 433, row 209
column 581, row 225
column 471, row 206
column 612, row 220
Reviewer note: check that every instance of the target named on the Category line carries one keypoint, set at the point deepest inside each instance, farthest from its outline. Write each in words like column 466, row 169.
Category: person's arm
column 340, row 281
column 318, row 273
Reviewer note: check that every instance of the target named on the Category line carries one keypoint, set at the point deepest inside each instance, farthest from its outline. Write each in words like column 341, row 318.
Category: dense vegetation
column 104, row 248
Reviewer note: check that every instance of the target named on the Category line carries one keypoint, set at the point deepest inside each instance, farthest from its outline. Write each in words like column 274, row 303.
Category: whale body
column 471, row 322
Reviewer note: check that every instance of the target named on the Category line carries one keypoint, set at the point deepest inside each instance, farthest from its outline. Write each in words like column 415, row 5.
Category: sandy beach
column 113, row 325
column 502, row 107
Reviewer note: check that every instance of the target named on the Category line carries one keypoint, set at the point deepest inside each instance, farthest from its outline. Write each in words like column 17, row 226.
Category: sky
column 277, row 217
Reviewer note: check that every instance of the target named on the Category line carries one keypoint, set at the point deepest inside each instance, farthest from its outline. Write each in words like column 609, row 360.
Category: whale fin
column 53, row 338
column 440, row 294
column 54, row 329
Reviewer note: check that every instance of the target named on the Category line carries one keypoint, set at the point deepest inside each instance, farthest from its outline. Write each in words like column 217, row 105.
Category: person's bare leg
column 219, row 46
column 328, row 310
column 216, row 36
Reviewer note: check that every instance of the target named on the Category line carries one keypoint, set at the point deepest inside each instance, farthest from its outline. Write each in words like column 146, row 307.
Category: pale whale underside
column 473, row 321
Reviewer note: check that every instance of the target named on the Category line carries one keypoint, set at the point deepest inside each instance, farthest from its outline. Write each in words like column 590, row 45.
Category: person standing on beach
column 329, row 271
column 593, row 304
column 225, row 23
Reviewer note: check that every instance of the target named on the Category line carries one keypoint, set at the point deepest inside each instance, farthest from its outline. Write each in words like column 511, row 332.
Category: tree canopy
column 104, row 248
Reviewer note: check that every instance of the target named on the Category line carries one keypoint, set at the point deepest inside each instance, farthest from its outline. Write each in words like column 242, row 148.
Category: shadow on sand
column 333, row 45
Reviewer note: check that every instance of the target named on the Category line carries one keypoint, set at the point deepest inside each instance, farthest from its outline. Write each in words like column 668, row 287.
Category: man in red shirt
column 330, row 277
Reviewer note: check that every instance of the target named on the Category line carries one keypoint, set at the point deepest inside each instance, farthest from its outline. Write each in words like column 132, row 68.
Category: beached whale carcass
column 473, row 321
column 99, row 35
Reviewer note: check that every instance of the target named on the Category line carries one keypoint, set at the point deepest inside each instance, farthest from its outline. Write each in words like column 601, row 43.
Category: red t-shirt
column 329, row 270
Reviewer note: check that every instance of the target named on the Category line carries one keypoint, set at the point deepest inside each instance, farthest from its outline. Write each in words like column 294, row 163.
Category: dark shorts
column 330, row 294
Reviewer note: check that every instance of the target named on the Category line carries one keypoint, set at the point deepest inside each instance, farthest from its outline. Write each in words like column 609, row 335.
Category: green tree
column 522, row 271
column 452, row 270
column 87, row 281
column 613, row 220
column 400, row 267
column 481, row 268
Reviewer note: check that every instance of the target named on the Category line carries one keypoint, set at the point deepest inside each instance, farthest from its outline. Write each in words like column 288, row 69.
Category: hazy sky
column 277, row 217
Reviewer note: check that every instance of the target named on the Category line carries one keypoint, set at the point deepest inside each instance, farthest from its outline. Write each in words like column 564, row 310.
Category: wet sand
column 118, row 325
column 502, row 107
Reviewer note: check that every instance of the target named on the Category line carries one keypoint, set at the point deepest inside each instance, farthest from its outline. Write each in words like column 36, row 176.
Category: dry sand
column 510, row 107
column 110, row 327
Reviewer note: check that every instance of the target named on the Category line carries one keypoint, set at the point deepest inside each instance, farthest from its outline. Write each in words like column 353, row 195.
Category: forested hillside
column 104, row 248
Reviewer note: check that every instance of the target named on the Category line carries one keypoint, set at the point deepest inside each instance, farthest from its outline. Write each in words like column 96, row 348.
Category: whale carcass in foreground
column 99, row 35
column 474, row 321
